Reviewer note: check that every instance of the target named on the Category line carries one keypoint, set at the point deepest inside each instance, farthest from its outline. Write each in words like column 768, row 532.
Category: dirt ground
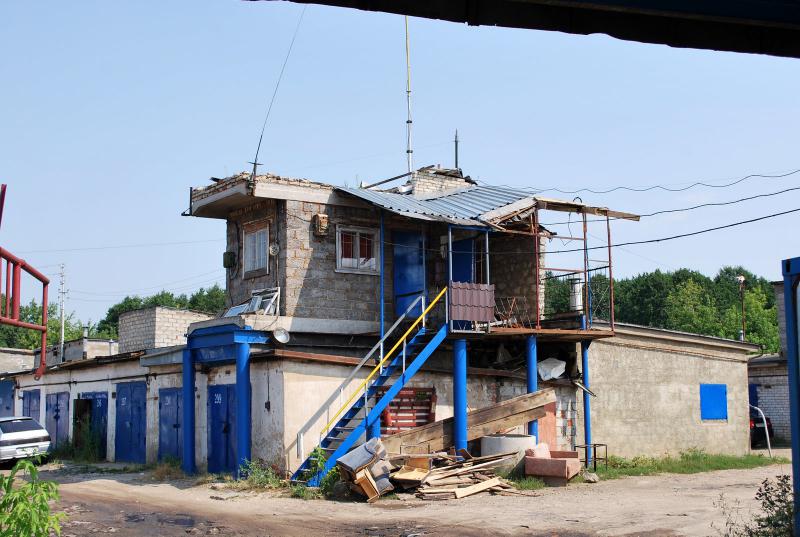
column 133, row 504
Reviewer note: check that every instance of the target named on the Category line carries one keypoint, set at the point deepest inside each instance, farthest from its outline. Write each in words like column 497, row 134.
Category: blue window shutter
column 713, row 401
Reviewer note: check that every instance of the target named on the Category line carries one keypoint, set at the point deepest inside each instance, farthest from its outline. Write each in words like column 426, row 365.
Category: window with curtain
column 357, row 250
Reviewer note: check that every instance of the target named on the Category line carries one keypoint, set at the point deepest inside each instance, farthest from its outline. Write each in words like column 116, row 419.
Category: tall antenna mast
column 409, row 151
column 456, row 144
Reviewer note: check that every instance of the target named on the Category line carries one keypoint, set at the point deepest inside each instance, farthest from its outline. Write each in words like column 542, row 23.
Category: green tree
column 23, row 338
column 761, row 320
column 689, row 308
column 211, row 301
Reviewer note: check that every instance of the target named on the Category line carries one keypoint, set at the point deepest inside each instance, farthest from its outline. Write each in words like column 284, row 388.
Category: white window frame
column 245, row 257
column 376, row 250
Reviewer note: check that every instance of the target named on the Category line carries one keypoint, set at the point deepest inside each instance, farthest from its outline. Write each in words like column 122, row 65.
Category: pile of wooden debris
column 435, row 476
column 447, row 477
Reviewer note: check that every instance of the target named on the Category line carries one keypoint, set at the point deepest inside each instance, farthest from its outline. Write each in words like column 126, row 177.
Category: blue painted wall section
column 227, row 343
column 713, row 401
column 791, row 277
column 533, row 378
column 460, row 394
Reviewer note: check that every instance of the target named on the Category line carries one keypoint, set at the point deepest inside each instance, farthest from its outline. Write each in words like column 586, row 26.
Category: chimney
column 430, row 181
column 85, row 332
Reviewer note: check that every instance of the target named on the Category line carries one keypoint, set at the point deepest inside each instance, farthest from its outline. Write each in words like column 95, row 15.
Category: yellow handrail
column 386, row 357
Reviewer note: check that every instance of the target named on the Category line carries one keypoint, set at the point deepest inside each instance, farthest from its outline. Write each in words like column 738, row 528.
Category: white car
column 22, row 437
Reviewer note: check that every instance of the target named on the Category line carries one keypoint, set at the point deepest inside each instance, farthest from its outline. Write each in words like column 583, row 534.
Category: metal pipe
column 766, row 429
column 449, row 275
column 15, row 291
column 533, row 378
column 382, row 285
column 586, row 304
column 188, row 463
column 610, row 275
column 7, row 311
column 587, row 404
column 486, row 256
column 460, row 394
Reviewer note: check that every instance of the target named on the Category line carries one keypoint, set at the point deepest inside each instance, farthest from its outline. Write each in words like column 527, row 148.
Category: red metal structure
column 9, row 308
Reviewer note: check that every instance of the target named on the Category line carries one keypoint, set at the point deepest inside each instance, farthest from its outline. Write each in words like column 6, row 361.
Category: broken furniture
column 554, row 467
column 366, row 469
column 587, row 448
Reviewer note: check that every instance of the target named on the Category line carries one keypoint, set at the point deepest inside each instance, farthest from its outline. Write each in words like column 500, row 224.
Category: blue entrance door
column 409, row 270
column 131, row 432
column 6, row 398
column 57, row 418
column 170, row 437
column 98, row 420
column 464, row 261
column 221, row 428
column 30, row 404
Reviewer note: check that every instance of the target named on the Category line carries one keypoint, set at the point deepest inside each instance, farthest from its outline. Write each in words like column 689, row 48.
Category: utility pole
column 62, row 293
column 409, row 151
column 741, row 281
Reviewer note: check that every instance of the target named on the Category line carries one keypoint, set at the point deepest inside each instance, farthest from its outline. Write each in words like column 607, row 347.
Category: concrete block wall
column 514, row 271
column 772, row 386
column 648, row 394
column 155, row 327
column 239, row 283
column 15, row 360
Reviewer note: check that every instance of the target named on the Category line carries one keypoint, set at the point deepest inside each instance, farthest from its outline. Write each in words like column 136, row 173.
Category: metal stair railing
column 379, row 367
column 339, row 392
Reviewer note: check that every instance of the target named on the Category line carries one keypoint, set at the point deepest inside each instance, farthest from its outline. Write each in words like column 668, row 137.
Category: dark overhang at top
column 755, row 26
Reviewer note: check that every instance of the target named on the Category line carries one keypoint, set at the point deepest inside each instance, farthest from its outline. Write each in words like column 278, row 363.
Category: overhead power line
column 119, row 246
column 692, row 208
column 666, row 188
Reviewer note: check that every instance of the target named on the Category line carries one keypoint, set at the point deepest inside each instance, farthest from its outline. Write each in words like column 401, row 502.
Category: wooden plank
column 438, row 435
column 474, row 489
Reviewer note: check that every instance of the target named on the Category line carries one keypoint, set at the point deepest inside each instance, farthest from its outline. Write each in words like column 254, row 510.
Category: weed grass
column 168, row 470
column 688, row 462
column 521, row 482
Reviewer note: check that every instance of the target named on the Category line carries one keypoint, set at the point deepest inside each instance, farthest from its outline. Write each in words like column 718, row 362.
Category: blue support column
column 533, row 379
column 188, row 463
column 460, row 394
column 243, row 401
column 587, row 403
column 791, row 277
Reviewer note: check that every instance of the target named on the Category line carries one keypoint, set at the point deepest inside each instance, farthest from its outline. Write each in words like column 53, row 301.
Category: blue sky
column 110, row 111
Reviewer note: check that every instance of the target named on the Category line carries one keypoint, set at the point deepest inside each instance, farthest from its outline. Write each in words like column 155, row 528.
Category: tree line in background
column 684, row 300
column 210, row 300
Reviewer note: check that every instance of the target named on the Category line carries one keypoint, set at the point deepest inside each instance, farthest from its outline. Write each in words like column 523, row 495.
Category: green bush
column 775, row 518
column 259, row 475
column 25, row 509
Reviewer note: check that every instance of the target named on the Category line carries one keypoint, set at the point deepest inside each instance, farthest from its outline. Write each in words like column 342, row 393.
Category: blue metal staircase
column 365, row 407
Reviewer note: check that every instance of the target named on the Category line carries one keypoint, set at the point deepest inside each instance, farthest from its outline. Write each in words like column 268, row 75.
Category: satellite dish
column 281, row 335
column 274, row 249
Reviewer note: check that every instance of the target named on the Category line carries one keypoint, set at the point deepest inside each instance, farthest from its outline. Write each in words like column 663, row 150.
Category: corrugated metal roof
column 460, row 207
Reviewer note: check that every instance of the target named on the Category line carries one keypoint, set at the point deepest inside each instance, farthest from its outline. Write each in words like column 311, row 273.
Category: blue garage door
column 131, row 432
column 57, row 418
column 98, row 422
column 6, row 398
column 30, row 404
column 221, row 428
column 170, row 437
